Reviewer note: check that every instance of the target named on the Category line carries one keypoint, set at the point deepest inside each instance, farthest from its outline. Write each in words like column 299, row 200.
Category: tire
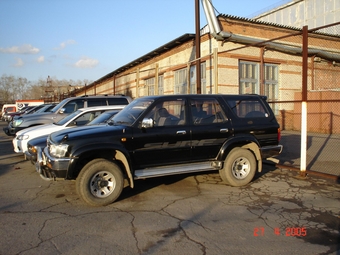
column 239, row 167
column 100, row 182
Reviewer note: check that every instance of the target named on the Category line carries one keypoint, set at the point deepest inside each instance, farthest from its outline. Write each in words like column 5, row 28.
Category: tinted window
column 96, row 102
column 73, row 105
column 248, row 108
column 206, row 111
column 117, row 101
column 168, row 113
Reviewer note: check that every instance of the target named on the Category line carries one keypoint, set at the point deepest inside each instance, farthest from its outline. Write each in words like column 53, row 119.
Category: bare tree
column 13, row 88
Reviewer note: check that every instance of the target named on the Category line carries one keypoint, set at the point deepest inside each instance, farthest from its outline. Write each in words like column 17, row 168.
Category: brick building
column 252, row 58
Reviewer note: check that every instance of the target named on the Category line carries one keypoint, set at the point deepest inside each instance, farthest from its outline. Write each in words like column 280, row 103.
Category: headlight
column 32, row 149
column 17, row 123
column 58, row 151
column 22, row 137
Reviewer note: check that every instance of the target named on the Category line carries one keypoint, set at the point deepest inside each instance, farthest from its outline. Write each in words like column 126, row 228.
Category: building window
column 193, row 84
column 271, row 87
column 203, row 78
column 181, row 81
column 161, row 85
column 150, row 86
column 249, row 78
column 250, row 81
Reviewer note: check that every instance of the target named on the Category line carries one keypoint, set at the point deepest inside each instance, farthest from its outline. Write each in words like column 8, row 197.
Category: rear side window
column 117, row 101
column 96, row 102
column 248, row 108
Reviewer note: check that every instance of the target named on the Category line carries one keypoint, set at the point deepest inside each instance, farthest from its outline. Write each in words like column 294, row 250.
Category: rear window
column 10, row 109
column 248, row 108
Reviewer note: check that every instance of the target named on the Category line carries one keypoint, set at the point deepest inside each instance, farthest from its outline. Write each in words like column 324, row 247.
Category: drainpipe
column 198, row 48
column 262, row 71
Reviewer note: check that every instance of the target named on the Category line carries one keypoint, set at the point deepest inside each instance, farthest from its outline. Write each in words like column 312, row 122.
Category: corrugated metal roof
column 254, row 21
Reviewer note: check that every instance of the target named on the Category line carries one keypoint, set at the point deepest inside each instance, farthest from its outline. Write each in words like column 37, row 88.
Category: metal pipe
column 198, row 48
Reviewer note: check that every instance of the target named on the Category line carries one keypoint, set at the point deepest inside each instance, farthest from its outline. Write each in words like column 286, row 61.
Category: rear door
column 210, row 127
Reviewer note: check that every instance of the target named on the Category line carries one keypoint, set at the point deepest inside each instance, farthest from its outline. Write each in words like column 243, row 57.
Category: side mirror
column 62, row 110
column 147, row 123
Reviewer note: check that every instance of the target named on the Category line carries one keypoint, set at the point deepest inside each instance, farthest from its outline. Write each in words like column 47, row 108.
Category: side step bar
column 176, row 169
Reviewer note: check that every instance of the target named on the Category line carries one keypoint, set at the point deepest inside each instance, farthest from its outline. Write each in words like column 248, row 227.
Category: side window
column 206, row 111
column 168, row 113
column 87, row 117
column 72, row 106
column 248, row 108
column 117, row 101
column 96, row 102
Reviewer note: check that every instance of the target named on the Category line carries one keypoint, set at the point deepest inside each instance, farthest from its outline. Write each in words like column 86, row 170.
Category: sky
column 87, row 39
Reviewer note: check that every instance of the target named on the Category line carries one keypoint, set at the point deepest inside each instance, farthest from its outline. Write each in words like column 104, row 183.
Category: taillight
column 278, row 134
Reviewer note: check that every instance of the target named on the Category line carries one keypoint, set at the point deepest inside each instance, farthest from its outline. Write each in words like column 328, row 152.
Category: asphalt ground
column 277, row 213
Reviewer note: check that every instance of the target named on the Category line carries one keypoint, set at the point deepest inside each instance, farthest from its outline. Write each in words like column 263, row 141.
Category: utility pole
column 198, row 47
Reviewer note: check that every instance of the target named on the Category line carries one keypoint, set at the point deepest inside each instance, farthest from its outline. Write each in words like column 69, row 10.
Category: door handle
column 224, row 130
column 181, row 132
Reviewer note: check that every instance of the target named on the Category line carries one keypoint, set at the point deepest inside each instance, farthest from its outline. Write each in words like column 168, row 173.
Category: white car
column 78, row 118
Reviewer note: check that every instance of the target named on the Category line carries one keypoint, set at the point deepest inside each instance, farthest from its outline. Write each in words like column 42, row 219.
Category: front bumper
column 49, row 167
column 30, row 156
column 11, row 131
column 271, row 151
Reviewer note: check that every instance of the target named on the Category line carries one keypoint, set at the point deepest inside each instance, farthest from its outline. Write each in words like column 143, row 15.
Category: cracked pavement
column 277, row 213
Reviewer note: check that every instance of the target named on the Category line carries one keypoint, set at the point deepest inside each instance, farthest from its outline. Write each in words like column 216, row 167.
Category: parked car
column 65, row 107
column 39, row 143
column 164, row 135
column 8, row 116
column 27, row 110
column 75, row 119
column 6, row 108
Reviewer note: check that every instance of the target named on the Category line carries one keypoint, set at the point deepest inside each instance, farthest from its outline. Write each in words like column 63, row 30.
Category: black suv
column 65, row 107
column 164, row 135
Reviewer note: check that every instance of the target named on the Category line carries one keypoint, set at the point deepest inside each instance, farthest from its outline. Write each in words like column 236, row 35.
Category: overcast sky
column 87, row 39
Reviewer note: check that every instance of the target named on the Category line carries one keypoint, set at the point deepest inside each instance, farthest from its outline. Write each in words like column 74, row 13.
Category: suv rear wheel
column 239, row 167
column 100, row 182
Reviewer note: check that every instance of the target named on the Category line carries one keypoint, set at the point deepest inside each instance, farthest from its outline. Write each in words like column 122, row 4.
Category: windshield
column 103, row 118
column 58, row 106
column 68, row 118
column 46, row 108
column 131, row 112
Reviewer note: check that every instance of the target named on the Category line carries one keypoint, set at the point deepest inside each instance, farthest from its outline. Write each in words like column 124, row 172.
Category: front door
column 168, row 141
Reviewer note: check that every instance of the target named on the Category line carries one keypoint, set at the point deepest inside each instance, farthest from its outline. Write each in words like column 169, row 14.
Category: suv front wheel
column 100, row 182
column 239, row 167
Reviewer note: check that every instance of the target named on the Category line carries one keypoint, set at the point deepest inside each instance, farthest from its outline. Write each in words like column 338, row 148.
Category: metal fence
column 307, row 75
column 322, row 97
